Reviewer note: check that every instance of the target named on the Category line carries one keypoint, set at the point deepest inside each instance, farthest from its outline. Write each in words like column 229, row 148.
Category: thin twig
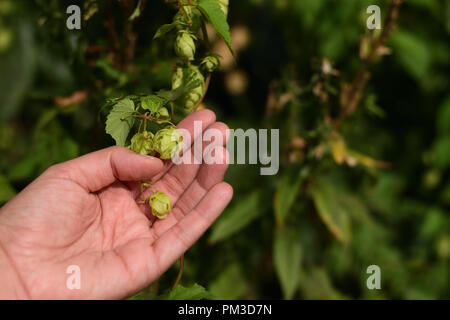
column 180, row 273
column 354, row 93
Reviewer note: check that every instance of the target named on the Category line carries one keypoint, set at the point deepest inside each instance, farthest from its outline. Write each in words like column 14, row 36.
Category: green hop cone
column 167, row 142
column 210, row 63
column 188, row 17
column 185, row 45
column 224, row 6
column 161, row 204
column 142, row 143
column 163, row 112
column 189, row 99
column 177, row 78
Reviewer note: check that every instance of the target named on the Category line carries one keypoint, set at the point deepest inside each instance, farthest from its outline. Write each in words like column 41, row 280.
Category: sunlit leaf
column 163, row 30
column 152, row 103
column 212, row 11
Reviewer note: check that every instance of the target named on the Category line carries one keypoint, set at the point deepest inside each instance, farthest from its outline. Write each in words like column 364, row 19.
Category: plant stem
column 354, row 93
column 205, row 36
column 180, row 273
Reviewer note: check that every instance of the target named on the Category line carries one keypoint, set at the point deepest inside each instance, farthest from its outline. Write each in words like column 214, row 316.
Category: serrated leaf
column 285, row 195
column 212, row 11
column 196, row 292
column 164, row 94
column 163, row 30
column 152, row 103
column 331, row 211
column 116, row 125
column 236, row 217
column 287, row 253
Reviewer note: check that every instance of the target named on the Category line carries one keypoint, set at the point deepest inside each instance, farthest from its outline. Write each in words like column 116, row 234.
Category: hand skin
column 84, row 212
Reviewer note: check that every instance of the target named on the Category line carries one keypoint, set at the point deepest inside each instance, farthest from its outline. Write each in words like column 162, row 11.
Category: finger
column 205, row 118
column 208, row 176
column 179, row 177
column 99, row 169
column 175, row 241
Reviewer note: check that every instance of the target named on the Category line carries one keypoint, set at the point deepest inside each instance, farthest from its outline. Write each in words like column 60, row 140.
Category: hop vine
column 132, row 119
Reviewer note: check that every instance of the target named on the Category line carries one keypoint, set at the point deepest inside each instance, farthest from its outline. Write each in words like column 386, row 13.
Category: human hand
column 84, row 212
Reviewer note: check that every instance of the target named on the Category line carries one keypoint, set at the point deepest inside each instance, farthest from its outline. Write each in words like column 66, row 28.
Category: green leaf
column 285, row 195
column 116, row 125
column 412, row 51
column 287, row 253
column 137, row 11
column 163, row 30
column 25, row 167
column 6, row 190
column 143, row 296
column 356, row 209
column 223, row 288
column 196, row 292
column 331, row 210
column 165, row 94
column 316, row 284
column 152, row 103
column 212, row 11
column 19, row 63
column 236, row 217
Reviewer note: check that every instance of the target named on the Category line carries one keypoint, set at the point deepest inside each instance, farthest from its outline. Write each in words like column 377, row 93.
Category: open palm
column 85, row 213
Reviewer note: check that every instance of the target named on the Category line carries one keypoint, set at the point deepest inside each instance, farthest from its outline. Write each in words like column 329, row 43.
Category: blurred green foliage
column 310, row 231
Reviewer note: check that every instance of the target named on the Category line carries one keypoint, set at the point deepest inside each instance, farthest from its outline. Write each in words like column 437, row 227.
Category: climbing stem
column 180, row 273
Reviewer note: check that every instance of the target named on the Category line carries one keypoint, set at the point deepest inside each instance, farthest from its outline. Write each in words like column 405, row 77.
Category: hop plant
column 167, row 142
column 188, row 17
column 185, row 45
column 142, row 143
column 210, row 63
column 190, row 98
column 177, row 78
column 161, row 204
column 162, row 112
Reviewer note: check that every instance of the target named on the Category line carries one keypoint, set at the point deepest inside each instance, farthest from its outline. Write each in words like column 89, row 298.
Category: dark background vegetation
column 311, row 231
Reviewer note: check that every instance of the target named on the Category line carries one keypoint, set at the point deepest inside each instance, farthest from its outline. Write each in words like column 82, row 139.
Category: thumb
column 99, row 169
